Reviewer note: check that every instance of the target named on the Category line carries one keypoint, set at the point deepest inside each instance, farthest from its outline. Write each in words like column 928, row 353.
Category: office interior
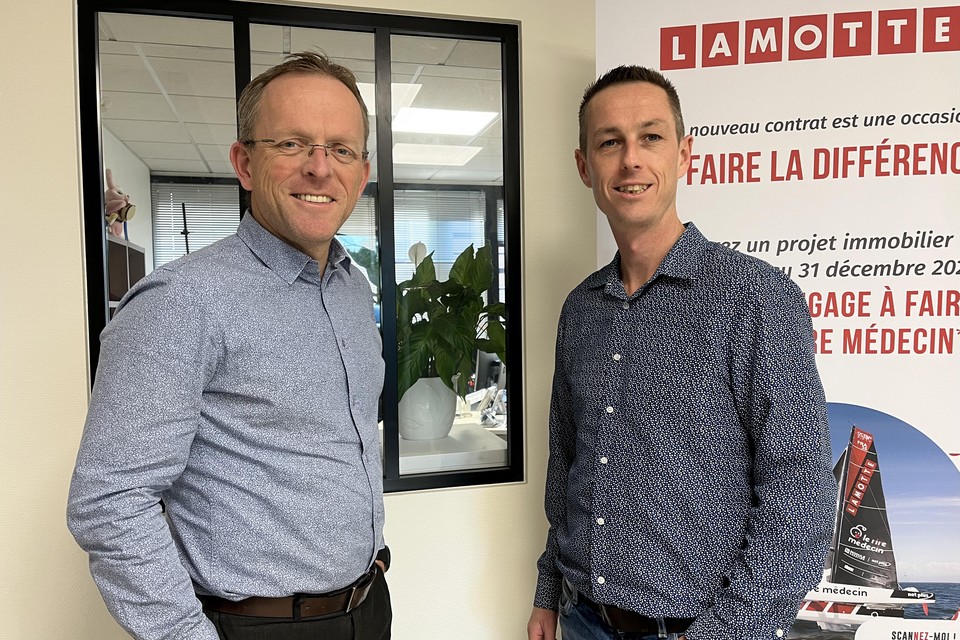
column 470, row 574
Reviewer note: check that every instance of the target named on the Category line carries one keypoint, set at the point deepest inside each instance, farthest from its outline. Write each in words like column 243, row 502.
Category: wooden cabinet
column 125, row 266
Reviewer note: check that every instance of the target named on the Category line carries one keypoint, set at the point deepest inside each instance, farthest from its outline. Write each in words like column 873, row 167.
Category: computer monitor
column 488, row 370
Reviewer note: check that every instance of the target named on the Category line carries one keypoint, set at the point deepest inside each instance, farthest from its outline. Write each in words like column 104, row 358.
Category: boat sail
column 860, row 573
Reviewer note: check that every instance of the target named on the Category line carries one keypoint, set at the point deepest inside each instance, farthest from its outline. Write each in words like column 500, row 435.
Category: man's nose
column 632, row 156
column 318, row 160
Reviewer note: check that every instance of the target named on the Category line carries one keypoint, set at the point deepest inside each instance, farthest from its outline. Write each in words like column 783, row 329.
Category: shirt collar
column 283, row 259
column 682, row 262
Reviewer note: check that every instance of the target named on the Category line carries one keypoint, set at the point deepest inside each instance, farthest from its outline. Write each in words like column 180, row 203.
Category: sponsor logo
column 810, row 37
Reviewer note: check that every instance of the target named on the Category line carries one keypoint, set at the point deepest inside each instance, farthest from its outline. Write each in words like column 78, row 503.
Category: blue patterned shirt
column 689, row 471
column 241, row 388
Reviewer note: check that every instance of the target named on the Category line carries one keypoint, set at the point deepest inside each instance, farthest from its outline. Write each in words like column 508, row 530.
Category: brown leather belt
column 623, row 620
column 302, row 605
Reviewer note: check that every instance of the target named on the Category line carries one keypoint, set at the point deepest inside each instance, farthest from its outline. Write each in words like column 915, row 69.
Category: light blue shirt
column 690, row 468
column 241, row 389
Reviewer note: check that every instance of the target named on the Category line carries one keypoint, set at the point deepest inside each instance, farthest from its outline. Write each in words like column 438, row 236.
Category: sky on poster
column 922, row 489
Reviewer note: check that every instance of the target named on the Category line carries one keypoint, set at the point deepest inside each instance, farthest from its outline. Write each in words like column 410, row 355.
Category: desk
column 469, row 446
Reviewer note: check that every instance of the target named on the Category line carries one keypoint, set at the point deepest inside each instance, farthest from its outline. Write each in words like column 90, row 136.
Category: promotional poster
column 827, row 143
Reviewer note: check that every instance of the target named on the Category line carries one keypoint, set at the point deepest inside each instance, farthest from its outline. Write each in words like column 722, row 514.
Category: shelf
column 469, row 446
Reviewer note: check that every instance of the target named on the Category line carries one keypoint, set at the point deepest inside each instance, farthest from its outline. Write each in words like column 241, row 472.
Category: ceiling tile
column 470, row 53
column 195, row 77
column 421, row 50
column 166, row 30
column 134, row 106
column 211, row 110
column 193, row 61
column 178, row 167
column 164, row 151
column 216, row 153
column 206, row 133
column 347, row 46
column 125, row 73
column 147, row 131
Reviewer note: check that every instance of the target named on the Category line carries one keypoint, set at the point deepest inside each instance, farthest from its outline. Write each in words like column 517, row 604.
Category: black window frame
column 383, row 26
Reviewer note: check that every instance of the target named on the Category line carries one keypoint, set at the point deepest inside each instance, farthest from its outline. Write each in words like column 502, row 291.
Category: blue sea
column 948, row 600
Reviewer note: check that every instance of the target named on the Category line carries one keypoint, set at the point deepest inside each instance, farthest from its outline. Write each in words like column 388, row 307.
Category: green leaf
column 413, row 356
column 481, row 272
column 498, row 339
column 460, row 271
column 439, row 323
column 426, row 272
column 409, row 305
column 497, row 309
column 457, row 334
column 447, row 367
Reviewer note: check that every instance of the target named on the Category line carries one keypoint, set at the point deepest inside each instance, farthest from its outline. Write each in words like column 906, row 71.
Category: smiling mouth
column 306, row 197
column 633, row 188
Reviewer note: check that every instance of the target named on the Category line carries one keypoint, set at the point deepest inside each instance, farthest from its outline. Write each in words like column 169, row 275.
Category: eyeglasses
column 297, row 146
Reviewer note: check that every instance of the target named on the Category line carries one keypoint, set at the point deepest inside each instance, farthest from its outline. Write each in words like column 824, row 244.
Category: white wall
column 464, row 558
column 132, row 177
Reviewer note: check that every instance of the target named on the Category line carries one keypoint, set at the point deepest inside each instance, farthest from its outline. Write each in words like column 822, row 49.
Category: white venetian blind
column 212, row 213
column 446, row 221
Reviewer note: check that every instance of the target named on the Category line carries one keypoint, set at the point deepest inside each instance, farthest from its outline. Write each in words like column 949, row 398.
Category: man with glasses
column 229, row 480
column 689, row 489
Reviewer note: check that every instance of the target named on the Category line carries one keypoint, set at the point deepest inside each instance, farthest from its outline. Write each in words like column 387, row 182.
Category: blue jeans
column 578, row 621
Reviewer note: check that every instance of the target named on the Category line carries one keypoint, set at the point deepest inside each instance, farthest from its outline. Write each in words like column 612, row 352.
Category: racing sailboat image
column 860, row 573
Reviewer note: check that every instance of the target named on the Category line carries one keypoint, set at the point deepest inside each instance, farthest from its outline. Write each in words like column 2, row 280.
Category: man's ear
column 240, row 159
column 683, row 158
column 366, row 176
column 582, row 168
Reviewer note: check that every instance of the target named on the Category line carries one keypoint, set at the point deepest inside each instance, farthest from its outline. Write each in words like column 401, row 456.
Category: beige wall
column 464, row 559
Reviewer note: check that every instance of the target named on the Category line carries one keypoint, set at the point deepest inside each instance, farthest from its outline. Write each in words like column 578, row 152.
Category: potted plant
column 440, row 327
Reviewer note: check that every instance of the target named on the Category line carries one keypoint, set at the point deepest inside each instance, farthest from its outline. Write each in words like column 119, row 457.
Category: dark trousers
column 370, row 621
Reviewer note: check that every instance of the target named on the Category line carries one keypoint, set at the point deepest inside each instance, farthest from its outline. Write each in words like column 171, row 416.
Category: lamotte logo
column 810, row 37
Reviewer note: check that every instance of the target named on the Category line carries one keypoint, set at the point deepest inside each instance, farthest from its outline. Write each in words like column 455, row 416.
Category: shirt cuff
column 548, row 591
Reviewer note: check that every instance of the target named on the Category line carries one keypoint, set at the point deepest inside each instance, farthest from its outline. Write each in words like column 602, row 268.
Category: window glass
column 448, row 137
column 158, row 116
column 189, row 216
column 167, row 108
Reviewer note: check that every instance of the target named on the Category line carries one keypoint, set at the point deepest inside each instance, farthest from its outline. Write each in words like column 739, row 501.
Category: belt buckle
column 362, row 583
column 605, row 616
column 297, row 602
column 350, row 605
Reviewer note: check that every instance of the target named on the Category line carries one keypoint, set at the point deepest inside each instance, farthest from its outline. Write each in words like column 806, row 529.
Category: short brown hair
column 633, row 73
column 303, row 62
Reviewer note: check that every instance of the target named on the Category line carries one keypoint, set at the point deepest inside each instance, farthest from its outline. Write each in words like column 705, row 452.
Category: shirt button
column 603, row 459
column 609, row 409
column 616, row 357
column 600, row 580
column 599, row 520
column 626, row 305
column 779, row 633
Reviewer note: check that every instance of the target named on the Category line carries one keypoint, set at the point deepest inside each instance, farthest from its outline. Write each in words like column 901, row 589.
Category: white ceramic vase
column 427, row 410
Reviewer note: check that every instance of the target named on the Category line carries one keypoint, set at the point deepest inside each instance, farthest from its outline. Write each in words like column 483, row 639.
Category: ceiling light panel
column 402, row 95
column 443, row 121
column 446, row 155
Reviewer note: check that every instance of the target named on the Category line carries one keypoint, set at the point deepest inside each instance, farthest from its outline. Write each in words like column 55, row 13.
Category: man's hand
column 542, row 625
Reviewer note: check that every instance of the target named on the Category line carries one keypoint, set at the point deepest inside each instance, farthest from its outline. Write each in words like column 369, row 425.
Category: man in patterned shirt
column 689, row 490
column 239, row 385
